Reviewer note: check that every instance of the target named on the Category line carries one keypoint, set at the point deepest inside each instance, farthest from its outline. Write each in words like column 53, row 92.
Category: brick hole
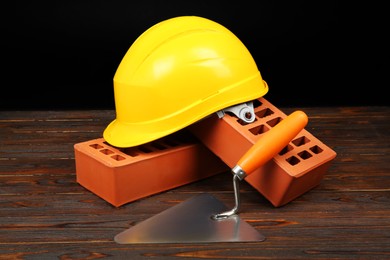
column 286, row 149
column 274, row 121
column 293, row 160
column 259, row 129
column 106, row 151
column 257, row 103
column 131, row 151
column 305, row 155
column 117, row 157
column 264, row 113
column 96, row 146
column 301, row 141
column 144, row 149
column 158, row 146
column 316, row 149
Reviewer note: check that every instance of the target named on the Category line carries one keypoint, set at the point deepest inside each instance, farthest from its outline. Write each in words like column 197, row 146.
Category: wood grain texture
column 46, row 214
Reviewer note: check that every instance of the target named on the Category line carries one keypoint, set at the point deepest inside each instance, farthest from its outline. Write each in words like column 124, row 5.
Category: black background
column 64, row 54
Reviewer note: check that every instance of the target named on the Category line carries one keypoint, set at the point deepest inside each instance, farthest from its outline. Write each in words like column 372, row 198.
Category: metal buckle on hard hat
column 243, row 111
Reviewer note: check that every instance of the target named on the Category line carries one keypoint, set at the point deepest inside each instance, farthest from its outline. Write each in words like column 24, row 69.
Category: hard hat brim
column 125, row 135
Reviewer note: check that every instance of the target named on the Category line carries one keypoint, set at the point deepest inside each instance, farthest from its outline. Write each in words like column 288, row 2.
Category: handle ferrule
column 239, row 172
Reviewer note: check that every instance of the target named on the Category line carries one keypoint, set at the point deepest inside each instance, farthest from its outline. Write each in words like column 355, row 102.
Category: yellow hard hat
column 177, row 72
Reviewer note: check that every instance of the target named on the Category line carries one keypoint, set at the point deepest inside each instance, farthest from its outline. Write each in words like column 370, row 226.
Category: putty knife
column 203, row 218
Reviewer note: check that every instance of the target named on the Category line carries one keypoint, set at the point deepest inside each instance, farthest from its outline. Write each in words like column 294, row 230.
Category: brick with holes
column 123, row 175
column 296, row 169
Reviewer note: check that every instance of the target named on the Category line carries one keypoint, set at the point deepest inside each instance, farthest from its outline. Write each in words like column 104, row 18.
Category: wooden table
column 46, row 214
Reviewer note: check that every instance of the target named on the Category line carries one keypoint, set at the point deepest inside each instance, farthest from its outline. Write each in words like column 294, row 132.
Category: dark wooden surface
column 46, row 214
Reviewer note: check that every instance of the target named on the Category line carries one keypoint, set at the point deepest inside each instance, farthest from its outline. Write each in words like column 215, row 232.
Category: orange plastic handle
column 273, row 141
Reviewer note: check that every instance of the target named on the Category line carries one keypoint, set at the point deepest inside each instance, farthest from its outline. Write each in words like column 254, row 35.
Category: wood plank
column 46, row 214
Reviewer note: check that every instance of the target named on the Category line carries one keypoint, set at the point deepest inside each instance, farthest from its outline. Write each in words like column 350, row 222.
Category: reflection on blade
column 191, row 222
